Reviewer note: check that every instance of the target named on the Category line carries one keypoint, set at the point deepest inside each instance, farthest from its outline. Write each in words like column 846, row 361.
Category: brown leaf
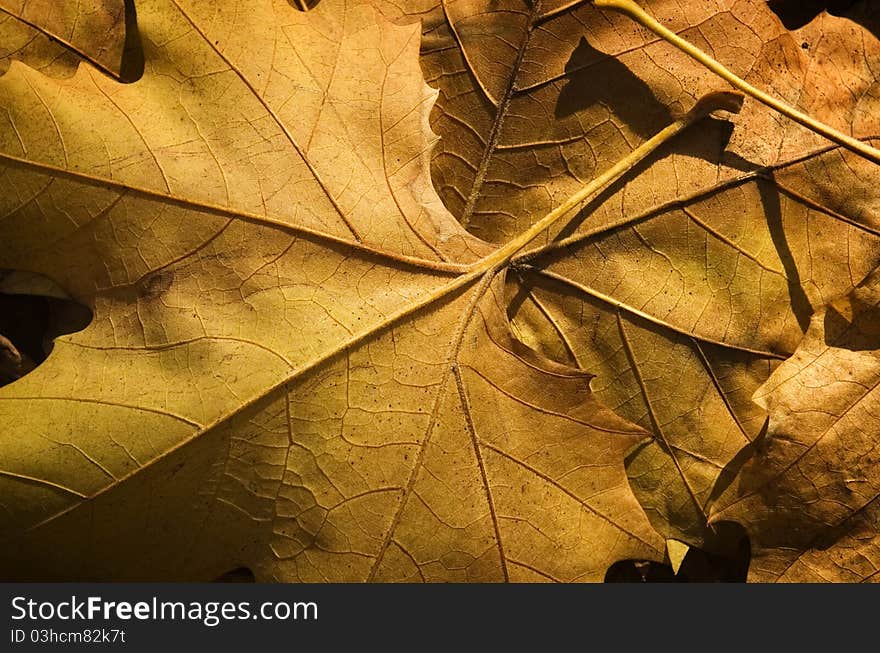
column 707, row 266
column 712, row 290
column 808, row 494
column 537, row 98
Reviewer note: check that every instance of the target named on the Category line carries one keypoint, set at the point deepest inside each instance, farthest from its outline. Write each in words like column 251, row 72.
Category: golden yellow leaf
column 291, row 366
column 302, row 363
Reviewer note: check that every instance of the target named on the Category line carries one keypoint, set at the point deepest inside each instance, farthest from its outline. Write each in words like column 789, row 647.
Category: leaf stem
column 634, row 11
column 722, row 100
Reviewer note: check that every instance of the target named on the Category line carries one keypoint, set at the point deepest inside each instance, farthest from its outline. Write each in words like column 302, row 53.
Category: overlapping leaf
column 290, row 367
column 705, row 267
column 537, row 98
column 808, row 493
column 302, row 363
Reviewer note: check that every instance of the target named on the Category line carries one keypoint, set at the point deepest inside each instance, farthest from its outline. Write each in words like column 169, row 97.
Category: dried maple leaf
column 301, row 363
column 707, row 266
column 808, row 493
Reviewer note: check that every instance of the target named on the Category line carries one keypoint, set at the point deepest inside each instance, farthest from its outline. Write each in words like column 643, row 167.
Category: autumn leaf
column 707, row 265
column 303, row 363
column 808, row 492
column 299, row 362
column 536, row 99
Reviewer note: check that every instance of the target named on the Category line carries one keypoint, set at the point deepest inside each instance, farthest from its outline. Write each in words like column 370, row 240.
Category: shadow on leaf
column 592, row 74
column 132, row 67
column 304, row 5
column 852, row 324
column 237, row 575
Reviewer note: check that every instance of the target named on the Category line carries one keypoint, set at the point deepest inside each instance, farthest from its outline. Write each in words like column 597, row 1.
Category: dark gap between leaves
column 29, row 323
column 725, row 560
column 796, row 14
